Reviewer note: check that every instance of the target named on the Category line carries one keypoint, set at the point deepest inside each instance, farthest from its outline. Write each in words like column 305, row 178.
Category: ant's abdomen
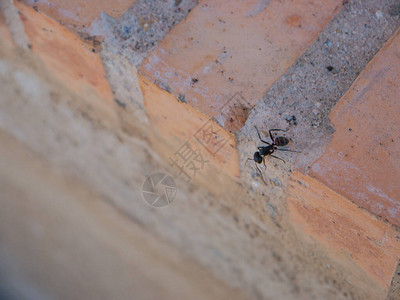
column 281, row 141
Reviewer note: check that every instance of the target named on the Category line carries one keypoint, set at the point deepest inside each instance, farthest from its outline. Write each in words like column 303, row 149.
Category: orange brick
column 78, row 14
column 235, row 46
column 174, row 123
column 67, row 57
column 363, row 160
column 349, row 233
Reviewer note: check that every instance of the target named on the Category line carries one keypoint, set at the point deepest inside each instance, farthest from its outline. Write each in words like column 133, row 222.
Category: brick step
column 228, row 47
column 71, row 60
column 356, row 238
column 362, row 162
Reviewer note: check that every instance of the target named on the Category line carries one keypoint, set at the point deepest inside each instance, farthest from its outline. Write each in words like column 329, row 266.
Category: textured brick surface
column 175, row 123
column 363, row 160
column 349, row 233
column 230, row 46
column 77, row 14
column 69, row 59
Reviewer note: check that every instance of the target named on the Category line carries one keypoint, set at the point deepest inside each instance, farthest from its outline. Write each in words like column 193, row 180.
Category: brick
column 77, row 14
column 174, row 123
column 235, row 46
column 348, row 233
column 363, row 160
column 68, row 58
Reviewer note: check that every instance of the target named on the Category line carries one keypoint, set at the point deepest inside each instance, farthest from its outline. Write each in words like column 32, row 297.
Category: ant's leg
column 248, row 160
column 260, row 173
column 288, row 150
column 264, row 162
column 270, row 133
column 257, row 167
column 278, row 158
column 259, row 136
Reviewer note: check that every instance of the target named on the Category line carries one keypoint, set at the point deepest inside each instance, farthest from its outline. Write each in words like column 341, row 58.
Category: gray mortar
column 309, row 90
column 141, row 27
column 12, row 20
column 124, row 84
column 394, row 292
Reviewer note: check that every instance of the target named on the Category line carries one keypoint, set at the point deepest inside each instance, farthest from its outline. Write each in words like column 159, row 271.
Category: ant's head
column 257, row 157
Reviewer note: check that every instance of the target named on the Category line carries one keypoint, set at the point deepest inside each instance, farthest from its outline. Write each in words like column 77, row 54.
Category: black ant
column 259, row 156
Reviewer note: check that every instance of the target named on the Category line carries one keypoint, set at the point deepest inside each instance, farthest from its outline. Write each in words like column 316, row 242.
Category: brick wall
column 97, row 97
